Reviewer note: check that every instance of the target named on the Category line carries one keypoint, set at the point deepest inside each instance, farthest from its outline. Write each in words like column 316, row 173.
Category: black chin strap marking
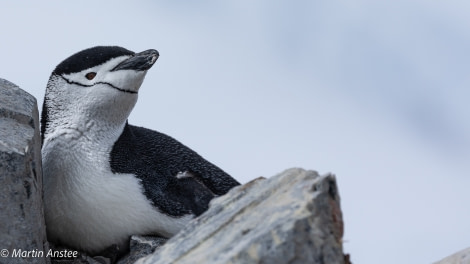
column 84, row 85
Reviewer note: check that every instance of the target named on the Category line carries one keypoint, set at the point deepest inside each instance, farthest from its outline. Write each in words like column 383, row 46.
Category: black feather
column 156, row 159
column 89, row 58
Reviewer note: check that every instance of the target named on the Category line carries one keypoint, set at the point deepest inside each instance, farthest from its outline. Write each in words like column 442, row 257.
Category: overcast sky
column 375, row 92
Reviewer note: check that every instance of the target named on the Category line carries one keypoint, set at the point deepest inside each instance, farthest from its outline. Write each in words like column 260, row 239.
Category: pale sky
column 375, row 92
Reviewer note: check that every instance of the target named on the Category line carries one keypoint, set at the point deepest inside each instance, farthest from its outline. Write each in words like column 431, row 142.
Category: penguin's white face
column 97, row 87
column 103, row 77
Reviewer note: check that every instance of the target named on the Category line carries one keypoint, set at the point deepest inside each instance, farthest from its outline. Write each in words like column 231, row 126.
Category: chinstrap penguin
column 104, row 179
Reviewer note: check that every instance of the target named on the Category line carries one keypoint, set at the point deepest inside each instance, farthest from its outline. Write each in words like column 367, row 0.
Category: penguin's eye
column 90, row 75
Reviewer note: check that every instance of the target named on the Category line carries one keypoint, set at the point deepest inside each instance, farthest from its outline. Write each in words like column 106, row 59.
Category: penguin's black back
column 156, row 159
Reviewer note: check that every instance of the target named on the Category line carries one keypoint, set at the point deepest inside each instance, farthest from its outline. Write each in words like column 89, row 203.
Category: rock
column 80, row 257
column 22, row 218
column 141, row 246
column 461, row 257
column 293, row 217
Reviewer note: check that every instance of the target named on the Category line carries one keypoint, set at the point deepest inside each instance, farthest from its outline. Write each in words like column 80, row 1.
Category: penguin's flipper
column 175, row 178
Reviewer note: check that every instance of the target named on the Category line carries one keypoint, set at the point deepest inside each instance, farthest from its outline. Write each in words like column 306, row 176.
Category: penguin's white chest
column 89, row 207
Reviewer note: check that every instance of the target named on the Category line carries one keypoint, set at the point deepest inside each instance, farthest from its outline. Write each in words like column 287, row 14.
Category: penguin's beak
column 139, row 62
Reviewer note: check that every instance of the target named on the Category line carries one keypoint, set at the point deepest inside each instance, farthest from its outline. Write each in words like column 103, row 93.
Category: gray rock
column 141, row 246
column 80, row 257
column 22, row 218
column 461, row 257
column 293, row 217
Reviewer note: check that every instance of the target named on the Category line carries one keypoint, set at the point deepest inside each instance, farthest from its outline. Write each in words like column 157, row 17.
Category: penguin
column 104, row 179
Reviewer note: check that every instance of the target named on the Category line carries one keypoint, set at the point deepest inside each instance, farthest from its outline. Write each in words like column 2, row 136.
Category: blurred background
column 375, row 92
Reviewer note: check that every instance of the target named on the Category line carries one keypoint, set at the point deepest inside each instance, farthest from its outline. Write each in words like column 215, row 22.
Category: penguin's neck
column 91, row 134
column 84, row 117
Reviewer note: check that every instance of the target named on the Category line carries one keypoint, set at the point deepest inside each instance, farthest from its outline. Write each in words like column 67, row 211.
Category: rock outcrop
column 293, row 217
column 22, row 219
column 461, row 257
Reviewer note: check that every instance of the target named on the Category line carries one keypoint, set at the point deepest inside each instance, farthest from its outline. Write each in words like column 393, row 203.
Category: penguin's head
column 96, row 86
